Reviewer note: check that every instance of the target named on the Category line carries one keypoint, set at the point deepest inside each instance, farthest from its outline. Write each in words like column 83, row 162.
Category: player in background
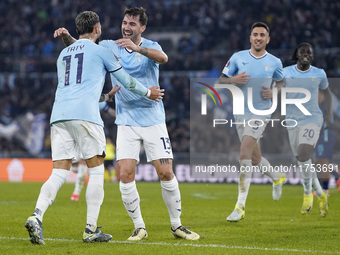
column 304, row 130
column 111, row 167
column 324, row 150
column 139, row 121
column 254, row 69
column 79, row 167
column 81, row 72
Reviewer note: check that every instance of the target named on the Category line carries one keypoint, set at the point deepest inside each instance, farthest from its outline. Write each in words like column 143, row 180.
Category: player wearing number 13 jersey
column 304, row 130
column 142, row 122
column 76, row 124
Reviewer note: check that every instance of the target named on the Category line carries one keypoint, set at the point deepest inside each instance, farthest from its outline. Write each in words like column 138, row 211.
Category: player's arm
column 130, row 83
column 239, row 79
column 108, row 97
column 65, row 36
column 106, row 108
column 328, row 103
column 278, row 79
column 267, row 93
column 153, row 54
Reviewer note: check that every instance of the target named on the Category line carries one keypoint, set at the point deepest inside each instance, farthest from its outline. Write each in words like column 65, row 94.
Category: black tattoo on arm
column 66, row 41
column 144, row 51
column 164, row 161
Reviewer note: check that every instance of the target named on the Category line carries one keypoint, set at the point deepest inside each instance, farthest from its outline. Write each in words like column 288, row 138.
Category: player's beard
column 98, row 40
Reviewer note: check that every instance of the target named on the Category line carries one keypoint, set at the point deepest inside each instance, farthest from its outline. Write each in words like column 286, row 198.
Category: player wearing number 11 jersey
column 76, row 124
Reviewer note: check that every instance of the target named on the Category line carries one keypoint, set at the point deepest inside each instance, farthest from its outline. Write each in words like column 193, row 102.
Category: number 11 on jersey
column 67, row 59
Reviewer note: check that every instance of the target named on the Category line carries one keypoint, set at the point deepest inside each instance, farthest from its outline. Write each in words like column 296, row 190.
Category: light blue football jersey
column 81, row 74
column 312, row 80
column 262, row 71
column 132, row 109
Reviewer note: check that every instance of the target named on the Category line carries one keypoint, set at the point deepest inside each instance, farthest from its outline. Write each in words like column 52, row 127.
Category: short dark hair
column 85, row 22
column 260, row 24
column 143, row 18
column 294, row 56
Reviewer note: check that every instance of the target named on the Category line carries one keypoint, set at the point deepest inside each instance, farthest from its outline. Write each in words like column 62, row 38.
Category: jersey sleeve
column 155, row 46
column 110, row 45
column 278, row 74
column 110, row 61
column 129, row 82
column 230, row 68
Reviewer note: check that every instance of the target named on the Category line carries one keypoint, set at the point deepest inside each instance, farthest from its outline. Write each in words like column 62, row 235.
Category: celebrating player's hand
column 127, row 43
column 240, row 79
column 156, row 93
column 61, row 32
column 113, row 91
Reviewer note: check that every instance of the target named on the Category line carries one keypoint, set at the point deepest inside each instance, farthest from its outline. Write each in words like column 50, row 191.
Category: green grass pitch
column 268, row 228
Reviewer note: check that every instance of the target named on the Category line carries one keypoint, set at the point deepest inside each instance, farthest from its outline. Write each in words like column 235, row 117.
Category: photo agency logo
column 241, row 108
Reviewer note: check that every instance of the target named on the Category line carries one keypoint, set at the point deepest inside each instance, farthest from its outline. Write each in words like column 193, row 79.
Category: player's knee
column 303, row 157
column 126, row 176
column 166, row 175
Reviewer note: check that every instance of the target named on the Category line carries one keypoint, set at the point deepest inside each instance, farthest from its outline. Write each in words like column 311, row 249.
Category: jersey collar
column 259, row 56
column 310, row 67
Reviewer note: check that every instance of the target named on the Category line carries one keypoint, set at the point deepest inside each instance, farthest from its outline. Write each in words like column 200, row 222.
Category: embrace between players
column 133, row 61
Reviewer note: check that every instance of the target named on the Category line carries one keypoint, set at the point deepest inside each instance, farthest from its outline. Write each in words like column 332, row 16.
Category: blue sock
column 325, row 185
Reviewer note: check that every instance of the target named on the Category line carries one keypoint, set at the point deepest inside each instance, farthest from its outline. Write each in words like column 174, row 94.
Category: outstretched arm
column 130, row 83
column 156, row 55
column 65, row 36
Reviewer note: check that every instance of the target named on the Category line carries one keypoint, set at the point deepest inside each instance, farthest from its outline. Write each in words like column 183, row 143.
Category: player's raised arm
column 65, row 36
column 156, row 55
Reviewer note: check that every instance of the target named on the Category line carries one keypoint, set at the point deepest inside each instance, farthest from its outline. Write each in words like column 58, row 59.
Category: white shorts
column 68, row 138
column 306, row 134
column 155, row 140
column 77, row 158
column 253, row 127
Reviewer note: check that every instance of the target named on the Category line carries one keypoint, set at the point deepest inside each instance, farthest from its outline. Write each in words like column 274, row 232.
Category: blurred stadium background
column 198, row 36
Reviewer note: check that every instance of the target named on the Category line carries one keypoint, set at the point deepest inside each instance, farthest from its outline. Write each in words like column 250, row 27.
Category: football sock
column 325, row 185
column 81, row 176
column 316, row 185
column 266, row 169
column 306, row 176
column 244, row 182
column 94, row 194
column 172, row 199
column 131, row 202
column 49, row 190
